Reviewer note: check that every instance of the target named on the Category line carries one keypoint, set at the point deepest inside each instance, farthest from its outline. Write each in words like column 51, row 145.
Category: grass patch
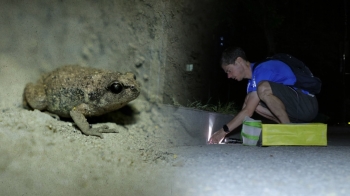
column 226, row 108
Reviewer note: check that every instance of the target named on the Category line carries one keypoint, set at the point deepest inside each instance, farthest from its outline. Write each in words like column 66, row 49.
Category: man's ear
column 239, row 60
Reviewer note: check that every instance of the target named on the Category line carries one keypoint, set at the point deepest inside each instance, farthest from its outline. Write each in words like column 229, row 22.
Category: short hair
column 229, row 55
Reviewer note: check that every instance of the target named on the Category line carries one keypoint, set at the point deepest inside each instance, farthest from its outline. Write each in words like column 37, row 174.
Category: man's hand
column 217, row 137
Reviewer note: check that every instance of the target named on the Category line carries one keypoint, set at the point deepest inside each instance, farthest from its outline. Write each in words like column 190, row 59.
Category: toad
column 78, row 92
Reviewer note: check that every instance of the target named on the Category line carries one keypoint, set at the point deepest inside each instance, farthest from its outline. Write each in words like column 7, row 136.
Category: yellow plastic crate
column 297, row 134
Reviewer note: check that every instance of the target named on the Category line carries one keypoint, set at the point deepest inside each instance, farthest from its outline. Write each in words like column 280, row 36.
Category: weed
column 227, row 108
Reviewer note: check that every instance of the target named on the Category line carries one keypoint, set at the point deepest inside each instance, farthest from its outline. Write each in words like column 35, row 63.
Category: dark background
column 313, row 31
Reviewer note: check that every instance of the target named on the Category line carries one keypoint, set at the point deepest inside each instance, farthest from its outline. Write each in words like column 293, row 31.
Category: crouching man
column 269, row 92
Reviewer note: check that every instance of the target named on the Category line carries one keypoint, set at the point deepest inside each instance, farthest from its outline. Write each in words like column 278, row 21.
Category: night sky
column 313, row 31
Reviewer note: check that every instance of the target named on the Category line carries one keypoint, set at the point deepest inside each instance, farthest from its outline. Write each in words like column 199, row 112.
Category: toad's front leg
column 84, row 126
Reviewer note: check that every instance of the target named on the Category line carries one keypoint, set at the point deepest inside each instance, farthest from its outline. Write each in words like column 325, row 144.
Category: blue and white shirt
column 273, row 71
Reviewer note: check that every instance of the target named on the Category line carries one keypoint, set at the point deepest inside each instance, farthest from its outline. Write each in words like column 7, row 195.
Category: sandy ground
column 44, row 156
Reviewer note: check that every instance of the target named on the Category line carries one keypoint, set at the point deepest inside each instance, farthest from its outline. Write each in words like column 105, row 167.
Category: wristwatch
column 226, row 129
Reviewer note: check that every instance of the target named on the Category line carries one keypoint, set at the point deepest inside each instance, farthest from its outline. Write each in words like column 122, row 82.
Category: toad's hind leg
column 34, row 95
column 84, row 126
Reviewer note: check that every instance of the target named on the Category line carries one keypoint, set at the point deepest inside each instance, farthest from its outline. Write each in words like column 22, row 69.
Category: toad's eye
column 116, row 87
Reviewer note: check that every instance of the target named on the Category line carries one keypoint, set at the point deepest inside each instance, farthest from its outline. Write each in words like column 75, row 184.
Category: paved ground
column 242, row 170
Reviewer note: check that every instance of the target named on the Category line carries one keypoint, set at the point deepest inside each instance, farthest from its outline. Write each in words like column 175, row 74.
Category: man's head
column 234, row 63
column 230, row 55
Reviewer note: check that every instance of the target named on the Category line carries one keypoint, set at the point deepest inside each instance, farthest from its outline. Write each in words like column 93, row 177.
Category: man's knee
column 264, row 89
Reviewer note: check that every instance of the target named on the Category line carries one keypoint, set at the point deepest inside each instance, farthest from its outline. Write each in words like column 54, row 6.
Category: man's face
column 234, row 71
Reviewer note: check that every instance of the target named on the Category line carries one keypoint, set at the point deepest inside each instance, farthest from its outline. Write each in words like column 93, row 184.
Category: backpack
column 304, row 78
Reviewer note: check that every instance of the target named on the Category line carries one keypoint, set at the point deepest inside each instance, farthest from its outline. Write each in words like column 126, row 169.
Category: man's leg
column 273, row 103
column 261, row 110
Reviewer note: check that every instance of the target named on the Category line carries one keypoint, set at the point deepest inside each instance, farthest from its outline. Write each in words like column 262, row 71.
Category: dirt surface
column 45, row 156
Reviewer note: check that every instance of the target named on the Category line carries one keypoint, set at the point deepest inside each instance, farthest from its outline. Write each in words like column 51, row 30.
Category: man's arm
column 250, row 103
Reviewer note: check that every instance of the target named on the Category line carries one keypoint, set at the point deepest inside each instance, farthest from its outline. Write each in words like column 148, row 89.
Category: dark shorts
column 300, row 107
